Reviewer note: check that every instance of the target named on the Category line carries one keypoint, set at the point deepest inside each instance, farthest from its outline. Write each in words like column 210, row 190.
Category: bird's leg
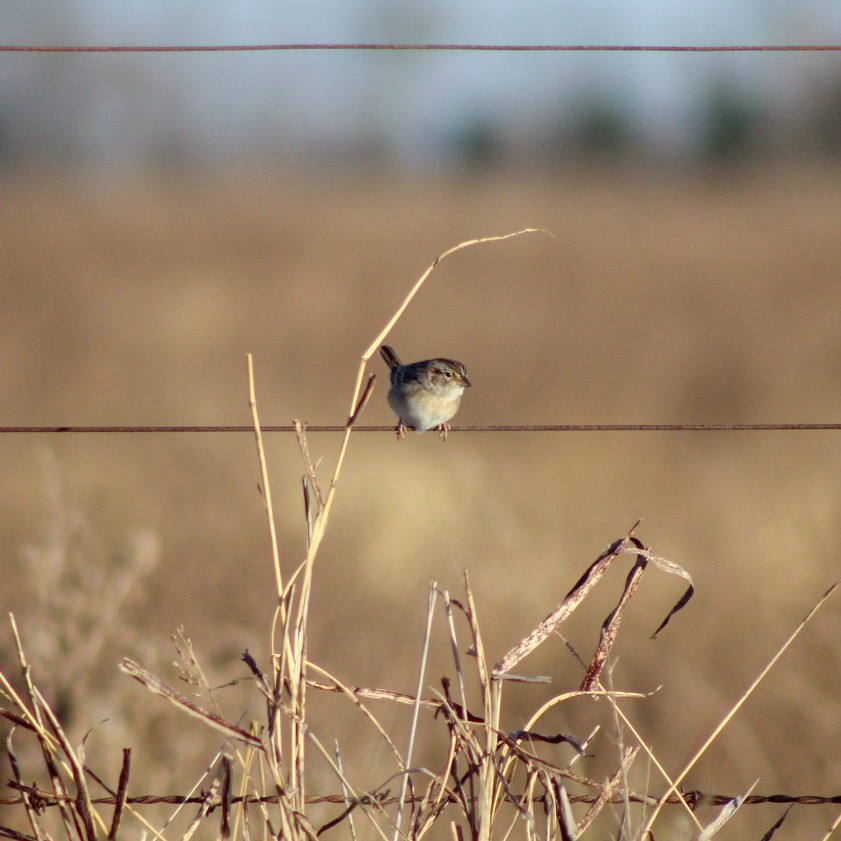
column 400, row 429
column 443, row 429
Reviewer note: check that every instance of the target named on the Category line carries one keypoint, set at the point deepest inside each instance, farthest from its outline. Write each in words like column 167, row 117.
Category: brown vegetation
column 661, row 298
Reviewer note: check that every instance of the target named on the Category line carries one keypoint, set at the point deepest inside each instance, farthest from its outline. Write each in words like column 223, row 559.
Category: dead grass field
column 661, row 298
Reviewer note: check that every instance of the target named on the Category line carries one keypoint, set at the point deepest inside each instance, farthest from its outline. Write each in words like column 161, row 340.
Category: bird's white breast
column 421, row 408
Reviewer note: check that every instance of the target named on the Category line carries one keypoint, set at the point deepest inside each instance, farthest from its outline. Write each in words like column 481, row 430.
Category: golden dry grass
column 134, row 300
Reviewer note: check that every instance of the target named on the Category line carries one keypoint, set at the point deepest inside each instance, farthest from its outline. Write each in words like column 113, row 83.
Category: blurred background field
column 660, row 299
column 163, row 216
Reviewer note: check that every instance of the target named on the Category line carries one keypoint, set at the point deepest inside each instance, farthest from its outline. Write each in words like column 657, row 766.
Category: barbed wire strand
column 554, row 427
column 46, row 799
column 572, row 48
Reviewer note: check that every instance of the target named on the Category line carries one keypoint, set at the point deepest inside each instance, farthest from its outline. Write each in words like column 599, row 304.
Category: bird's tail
column 390, row 357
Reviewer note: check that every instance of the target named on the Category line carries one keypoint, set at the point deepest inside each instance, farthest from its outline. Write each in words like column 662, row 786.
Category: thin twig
column 122, row 794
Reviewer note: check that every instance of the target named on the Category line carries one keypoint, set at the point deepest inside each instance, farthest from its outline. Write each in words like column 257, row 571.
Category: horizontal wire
column 556, row 427
column 611, row 48
column 46, row 799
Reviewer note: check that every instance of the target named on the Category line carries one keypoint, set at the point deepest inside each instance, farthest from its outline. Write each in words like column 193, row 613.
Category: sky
column 121, row 107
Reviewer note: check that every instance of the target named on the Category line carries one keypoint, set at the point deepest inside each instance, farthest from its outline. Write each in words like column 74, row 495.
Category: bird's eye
column 448, row 374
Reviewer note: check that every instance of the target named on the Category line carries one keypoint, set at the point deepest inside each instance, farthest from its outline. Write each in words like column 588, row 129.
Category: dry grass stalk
column 31, row 813
column 579, row 592
column 311, row 480
column 610, row 627
column 562, row 612
column 154, row 684
column 264, row 477
column 84, row 808
column 835, row 825
column 122, row 794
column 415, row 710
column 48, row 744
column 612, row 785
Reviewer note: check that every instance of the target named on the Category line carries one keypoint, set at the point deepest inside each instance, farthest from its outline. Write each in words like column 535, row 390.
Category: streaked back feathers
column 432, row 373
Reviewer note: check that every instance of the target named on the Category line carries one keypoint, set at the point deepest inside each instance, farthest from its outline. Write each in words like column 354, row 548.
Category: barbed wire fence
column 48, row 799
column 38, row 798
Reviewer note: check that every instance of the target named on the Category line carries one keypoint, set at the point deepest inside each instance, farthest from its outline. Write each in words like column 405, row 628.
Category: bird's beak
column 465, row 382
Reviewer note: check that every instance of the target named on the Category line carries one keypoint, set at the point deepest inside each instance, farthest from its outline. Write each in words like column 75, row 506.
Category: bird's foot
column 443, row 430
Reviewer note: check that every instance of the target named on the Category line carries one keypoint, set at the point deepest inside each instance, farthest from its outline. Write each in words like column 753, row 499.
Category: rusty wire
column 557, row 48
column 535, row 427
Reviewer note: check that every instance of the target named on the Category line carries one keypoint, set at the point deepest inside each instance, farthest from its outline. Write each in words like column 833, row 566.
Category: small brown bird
column 424, row 395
